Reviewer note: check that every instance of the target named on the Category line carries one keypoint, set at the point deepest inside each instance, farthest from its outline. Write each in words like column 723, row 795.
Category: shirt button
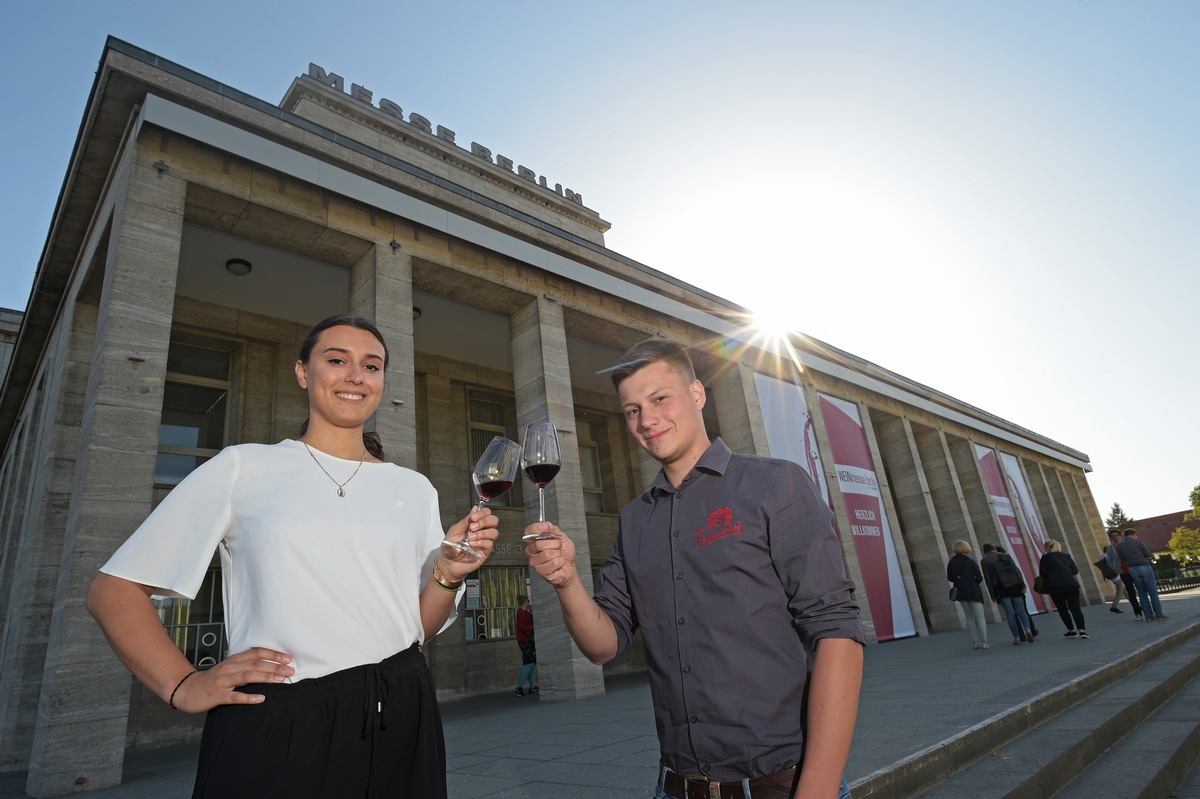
column 693, row 720
column 675, row 533
column 687, row 669
column 679, row 576
column 679, row 620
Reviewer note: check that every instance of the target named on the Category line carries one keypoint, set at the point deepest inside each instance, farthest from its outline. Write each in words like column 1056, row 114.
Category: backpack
column 1006, row 572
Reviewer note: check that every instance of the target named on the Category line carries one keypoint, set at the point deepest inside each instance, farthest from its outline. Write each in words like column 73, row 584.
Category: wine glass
column 493, row 475
column 541, row 461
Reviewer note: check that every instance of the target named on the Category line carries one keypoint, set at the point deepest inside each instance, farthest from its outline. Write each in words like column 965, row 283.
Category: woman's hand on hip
column 204, row 690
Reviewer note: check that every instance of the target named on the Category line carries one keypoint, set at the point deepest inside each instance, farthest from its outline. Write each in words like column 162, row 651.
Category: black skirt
column 371, row 731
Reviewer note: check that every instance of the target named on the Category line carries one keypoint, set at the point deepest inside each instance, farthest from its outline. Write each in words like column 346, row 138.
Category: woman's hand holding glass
column 479, row 530
column 493, row 475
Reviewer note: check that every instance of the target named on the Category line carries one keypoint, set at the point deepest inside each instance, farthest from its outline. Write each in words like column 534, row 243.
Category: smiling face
column 343, row 377
column 663, row 413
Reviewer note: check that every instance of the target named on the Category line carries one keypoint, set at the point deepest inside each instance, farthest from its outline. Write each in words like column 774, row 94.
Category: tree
column 1194, row 516
column 1117, row 518
column 1185, row 542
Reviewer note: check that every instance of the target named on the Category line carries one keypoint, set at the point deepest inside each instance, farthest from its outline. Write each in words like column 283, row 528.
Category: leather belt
column 691, row 786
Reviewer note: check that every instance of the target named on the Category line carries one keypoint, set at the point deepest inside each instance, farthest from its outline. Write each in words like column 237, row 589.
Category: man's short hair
column 1131, row 531
column 988, row 548
column 653, row 350
column 1113, row 532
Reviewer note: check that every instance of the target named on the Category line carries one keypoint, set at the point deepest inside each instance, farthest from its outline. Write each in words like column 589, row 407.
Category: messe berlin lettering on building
column 847, row 476
column 393, row 109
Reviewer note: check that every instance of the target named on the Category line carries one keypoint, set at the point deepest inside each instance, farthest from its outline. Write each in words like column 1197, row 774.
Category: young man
column 1138, row 557
column 1123, row 582
column 730, row 567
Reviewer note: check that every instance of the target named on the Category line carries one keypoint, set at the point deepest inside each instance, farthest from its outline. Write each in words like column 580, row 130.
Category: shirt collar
column 715, row 460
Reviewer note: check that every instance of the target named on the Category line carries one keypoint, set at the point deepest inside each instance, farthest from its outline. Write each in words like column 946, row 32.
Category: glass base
column 461, row 546
column 540, row 536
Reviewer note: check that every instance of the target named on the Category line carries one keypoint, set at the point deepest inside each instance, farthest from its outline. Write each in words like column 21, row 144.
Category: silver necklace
column 341, row 487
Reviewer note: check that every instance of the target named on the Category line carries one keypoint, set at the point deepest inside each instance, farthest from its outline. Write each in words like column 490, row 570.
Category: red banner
column 869, row 529
column 1015, row 542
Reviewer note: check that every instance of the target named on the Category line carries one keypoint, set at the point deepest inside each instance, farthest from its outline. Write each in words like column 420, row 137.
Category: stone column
column 381, row 290
column 949, row 506
column 79, row 740
column 1035, row 475
column 34, row 580
column 542, row 380
column 922, row 531
column 1080, row 540
column 738, row 409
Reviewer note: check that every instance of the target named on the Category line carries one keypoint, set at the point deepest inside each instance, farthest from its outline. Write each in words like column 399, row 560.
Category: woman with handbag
column 331, row 590
column 1057, row 570
column 964, row 574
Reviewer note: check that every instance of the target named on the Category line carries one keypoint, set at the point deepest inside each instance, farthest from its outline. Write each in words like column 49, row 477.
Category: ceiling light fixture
column 238, row 267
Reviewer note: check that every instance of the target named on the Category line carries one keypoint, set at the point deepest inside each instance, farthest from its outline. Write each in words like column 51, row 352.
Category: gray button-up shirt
column 732, row 578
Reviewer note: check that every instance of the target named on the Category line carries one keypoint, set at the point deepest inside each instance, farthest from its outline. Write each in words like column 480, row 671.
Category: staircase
column 1127, row 730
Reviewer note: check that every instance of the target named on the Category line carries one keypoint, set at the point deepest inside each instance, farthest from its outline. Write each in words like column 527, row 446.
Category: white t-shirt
column 333, row 581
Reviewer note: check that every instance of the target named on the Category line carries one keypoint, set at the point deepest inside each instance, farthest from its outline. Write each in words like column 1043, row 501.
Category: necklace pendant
column 341, row 493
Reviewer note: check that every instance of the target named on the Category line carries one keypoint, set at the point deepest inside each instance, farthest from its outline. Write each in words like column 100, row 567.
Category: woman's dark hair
column 370, row 440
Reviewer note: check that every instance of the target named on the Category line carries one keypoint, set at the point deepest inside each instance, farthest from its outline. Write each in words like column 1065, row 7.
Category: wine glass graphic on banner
column 493, row 475
column 540, row 459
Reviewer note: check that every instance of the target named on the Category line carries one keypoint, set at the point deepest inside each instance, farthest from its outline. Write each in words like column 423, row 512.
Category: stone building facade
column 199, row 234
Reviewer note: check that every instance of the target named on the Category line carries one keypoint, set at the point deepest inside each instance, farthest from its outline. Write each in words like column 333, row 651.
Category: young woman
column 965, row 575
column 1058, row 571
column 528, row 649
column 333, row 577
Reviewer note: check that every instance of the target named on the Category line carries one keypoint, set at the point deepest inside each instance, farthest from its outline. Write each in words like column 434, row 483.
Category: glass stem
column 541, row 504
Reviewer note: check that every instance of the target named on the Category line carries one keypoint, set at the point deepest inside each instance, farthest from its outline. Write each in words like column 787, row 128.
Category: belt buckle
column 711, row 787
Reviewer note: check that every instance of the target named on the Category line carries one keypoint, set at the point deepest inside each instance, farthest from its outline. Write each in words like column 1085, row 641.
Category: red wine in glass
column 490, row 489
column 540, row 460
column 542, row 473
column 493, row 475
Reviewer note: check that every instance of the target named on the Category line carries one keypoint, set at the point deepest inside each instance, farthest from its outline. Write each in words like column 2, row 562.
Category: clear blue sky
column 1000, row 200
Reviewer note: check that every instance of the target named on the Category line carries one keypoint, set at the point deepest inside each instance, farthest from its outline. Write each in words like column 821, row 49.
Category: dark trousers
column 1131, row 592
column 1066, row 600
column 372, row 731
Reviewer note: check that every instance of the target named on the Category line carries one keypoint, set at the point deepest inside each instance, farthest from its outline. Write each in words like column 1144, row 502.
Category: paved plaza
column 916, row 693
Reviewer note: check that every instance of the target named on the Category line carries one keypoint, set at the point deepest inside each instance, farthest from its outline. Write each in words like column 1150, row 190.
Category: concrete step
column 1046, row 756
column 1152, row 760
column 1029, row 768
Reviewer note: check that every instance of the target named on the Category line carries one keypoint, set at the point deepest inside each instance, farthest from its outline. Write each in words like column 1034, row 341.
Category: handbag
column 1106, row 569
column 954, row 594
column 1039, row 585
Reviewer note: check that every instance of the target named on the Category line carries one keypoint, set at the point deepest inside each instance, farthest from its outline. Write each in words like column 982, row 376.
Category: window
column 589, row 465
column 198, row 626
column 491, row 602
column 195, row 409
column 488, row 418
column 193, row 429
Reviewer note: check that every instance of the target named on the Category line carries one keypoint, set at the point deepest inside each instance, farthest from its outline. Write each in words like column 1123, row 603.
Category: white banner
column 789, row 426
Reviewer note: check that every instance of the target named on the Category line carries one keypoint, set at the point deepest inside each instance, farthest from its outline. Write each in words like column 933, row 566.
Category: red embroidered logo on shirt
column 720, row 525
